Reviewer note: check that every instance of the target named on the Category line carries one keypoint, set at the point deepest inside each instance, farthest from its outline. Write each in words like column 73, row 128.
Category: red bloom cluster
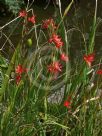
column 31, row 19
column 18, row 79
column 55, row 67
column 22, row 13
column 99, row 72
column 89, row 59
column 67, row 103
column 48, row 22
column 56, row 40
column 64, row 57
column 19, row 70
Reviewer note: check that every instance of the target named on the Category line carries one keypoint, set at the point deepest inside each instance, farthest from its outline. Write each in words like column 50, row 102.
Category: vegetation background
column 33, row 102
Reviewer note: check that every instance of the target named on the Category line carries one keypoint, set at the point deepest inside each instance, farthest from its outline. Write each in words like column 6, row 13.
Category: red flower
column 55, row 67
column 18, row 79
column 89, row 59
column 22, row 13
column 31, row 19
column 48, row 22
column 64, row 57
column 67, row 104
column 99, row 72
column 19, row 69
column 57, row 40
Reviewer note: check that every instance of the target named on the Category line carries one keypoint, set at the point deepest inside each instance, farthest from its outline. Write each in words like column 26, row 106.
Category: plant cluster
column 40, row 68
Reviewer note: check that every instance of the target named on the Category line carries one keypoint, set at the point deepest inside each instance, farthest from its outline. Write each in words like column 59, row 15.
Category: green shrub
column 13, row 5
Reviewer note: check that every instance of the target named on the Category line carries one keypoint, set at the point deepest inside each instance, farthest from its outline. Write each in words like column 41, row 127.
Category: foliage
column 39, row 97
column 13, row 5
